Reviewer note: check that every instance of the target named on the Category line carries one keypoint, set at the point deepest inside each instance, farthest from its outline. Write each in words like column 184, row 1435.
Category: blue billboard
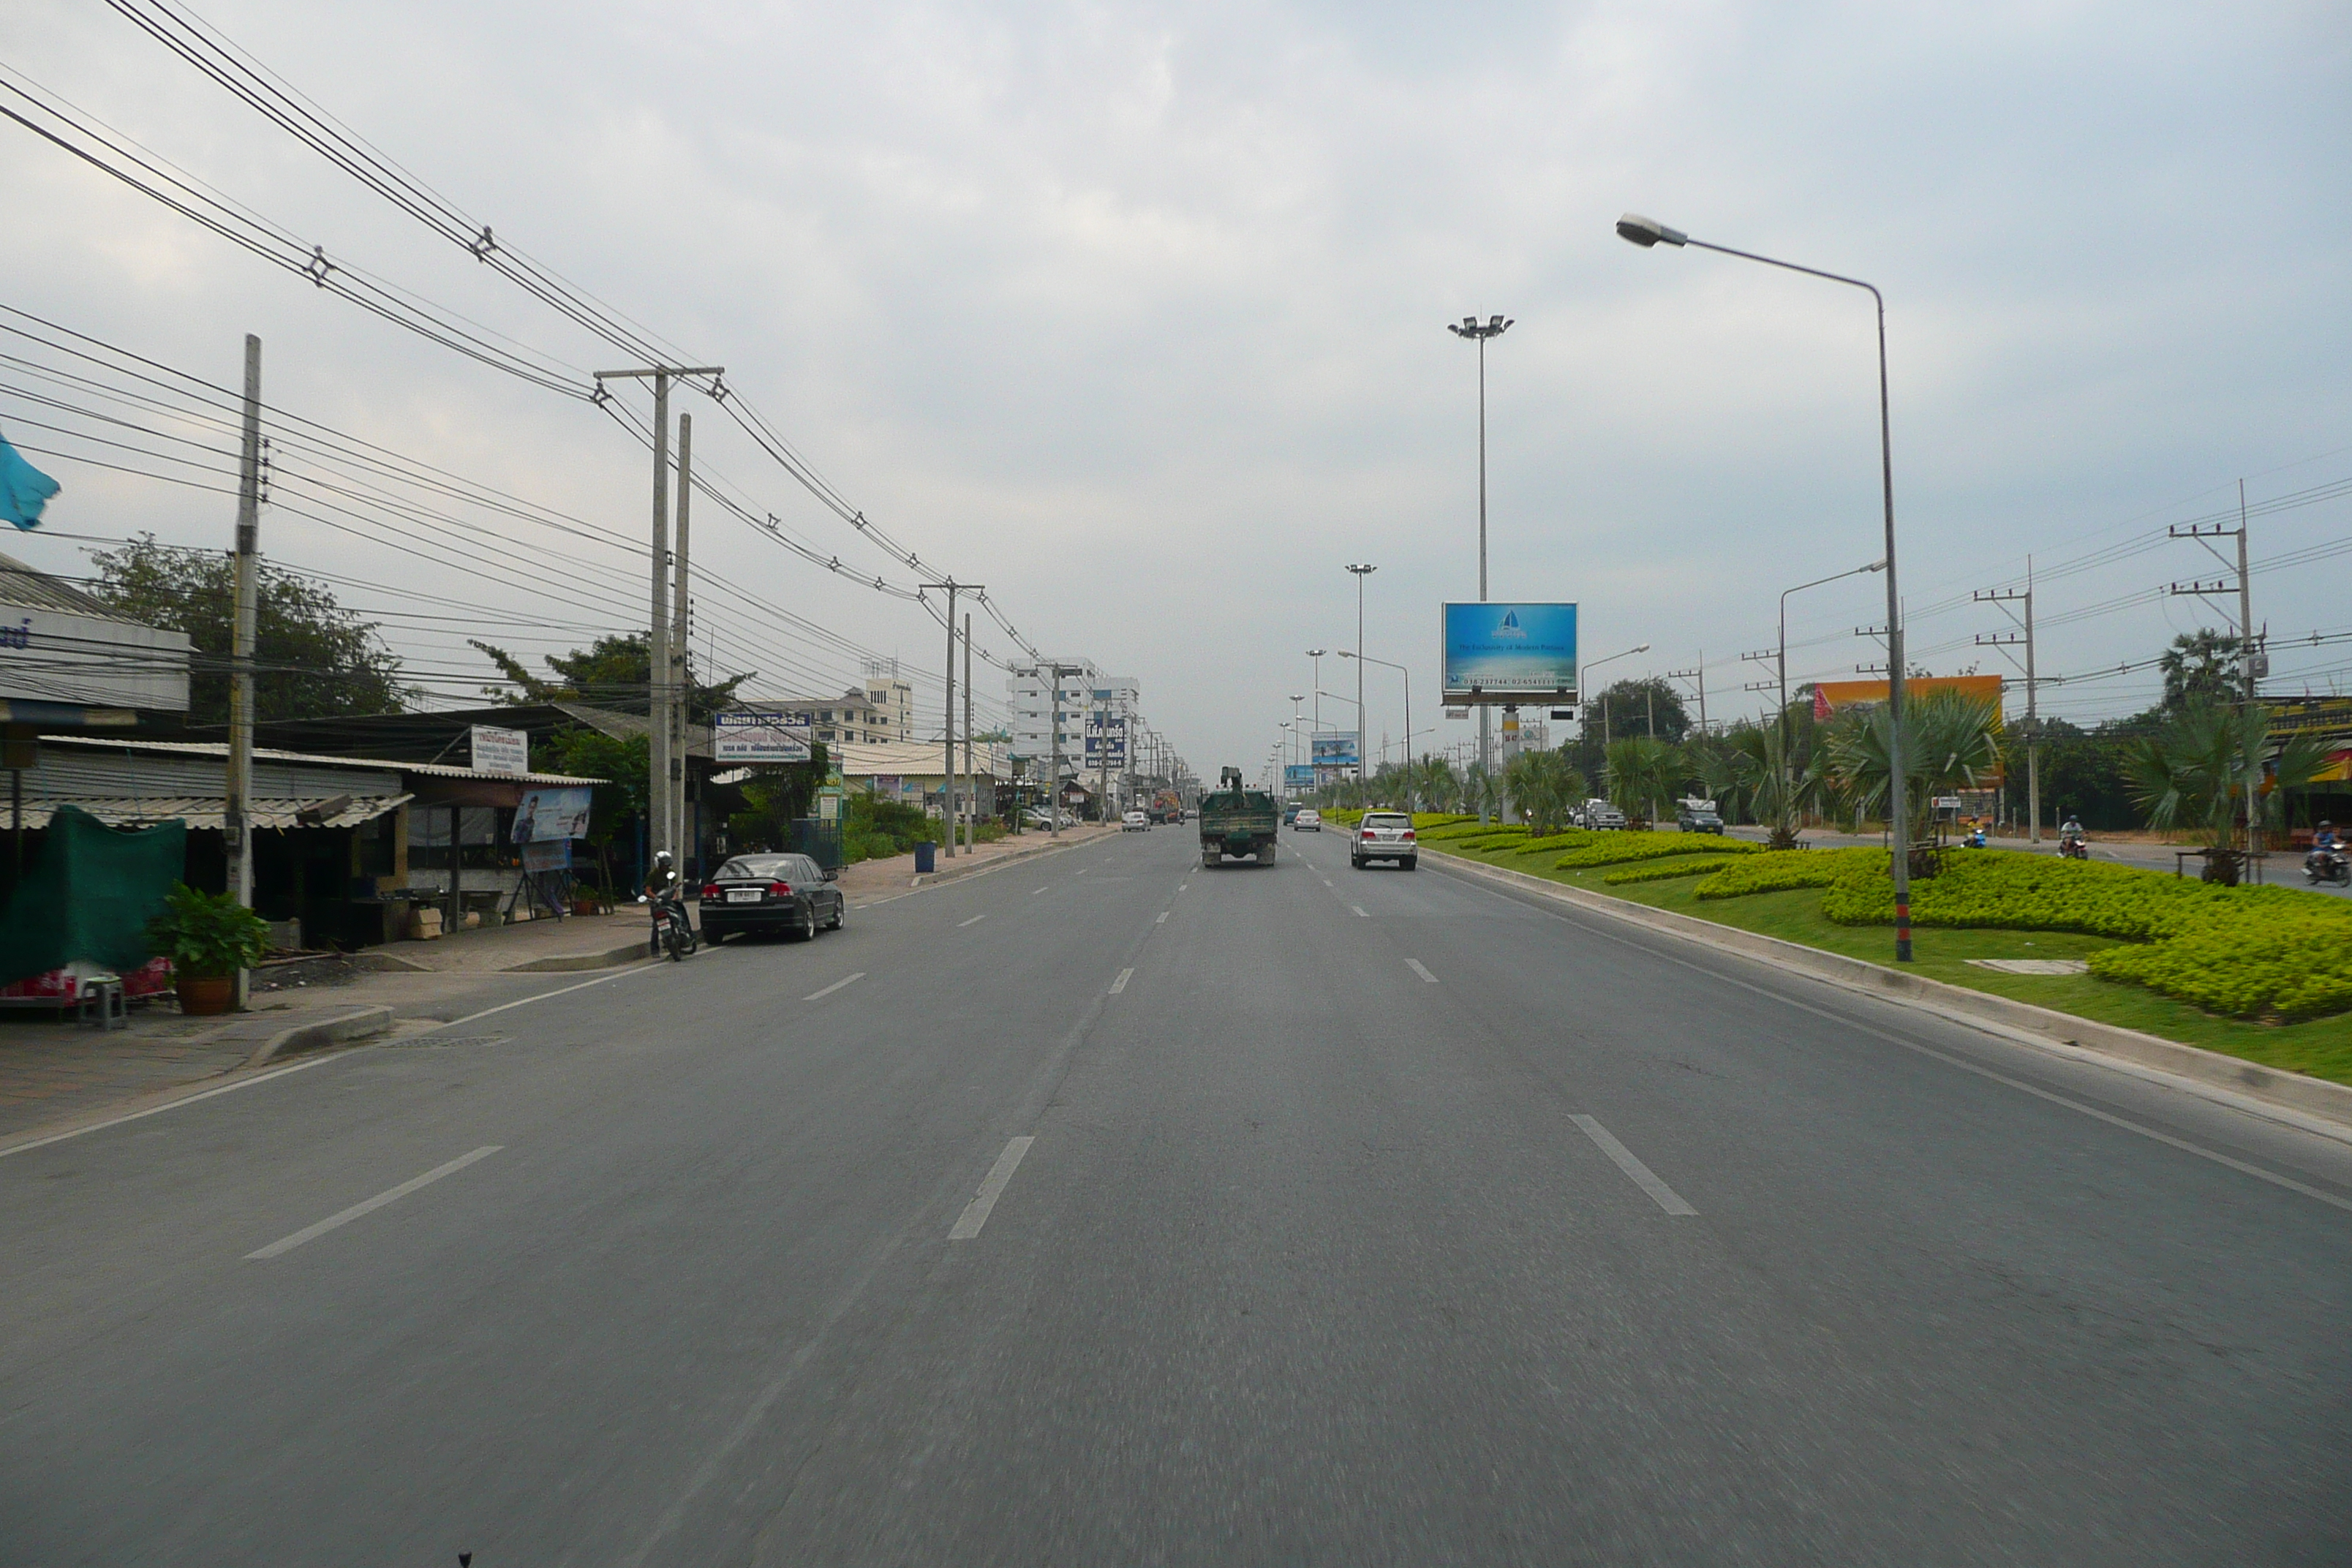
column 1508, row 652
column 1335, row 749
column 1298, row 775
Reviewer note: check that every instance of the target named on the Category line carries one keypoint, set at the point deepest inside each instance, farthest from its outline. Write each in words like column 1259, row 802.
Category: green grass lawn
column 2321, row 1048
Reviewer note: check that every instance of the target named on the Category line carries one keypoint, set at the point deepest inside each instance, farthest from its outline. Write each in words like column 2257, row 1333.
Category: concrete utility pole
column 674, row 684
column 236, row 814
column 971, row 777
column 2250, row 670
column 2032, row 726
column 1697, row 672
column 948, row 773
column 658, row 785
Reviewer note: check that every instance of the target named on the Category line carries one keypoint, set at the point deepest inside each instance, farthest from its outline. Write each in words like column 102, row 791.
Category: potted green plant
column 208, row 937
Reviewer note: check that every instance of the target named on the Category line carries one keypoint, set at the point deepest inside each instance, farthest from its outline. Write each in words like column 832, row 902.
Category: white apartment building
column 1085, row 692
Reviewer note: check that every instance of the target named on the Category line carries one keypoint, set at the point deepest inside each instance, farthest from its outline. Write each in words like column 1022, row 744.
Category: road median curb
column 359, row 1025
column 2316, row 1104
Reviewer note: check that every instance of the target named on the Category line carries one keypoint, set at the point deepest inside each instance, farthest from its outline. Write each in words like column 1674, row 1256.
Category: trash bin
column 926, row 857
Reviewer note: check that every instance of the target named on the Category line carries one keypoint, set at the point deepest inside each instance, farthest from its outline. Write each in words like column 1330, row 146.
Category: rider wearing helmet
column 666, row 892
column 2324, row 845
column 2326, row 837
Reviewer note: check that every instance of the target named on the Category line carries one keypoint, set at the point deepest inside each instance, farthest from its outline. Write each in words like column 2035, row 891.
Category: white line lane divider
column 1643, row 1177
column 1035, row 891
column 844, row 980
column 1414, row 965
column 1161, row 918
column 1000, row 1175
column 973, row 921
column 285, row 1244
column 1359, row 912
column 1120, row 984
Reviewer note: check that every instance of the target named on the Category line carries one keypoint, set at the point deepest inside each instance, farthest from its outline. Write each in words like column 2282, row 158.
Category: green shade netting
column 90, row 895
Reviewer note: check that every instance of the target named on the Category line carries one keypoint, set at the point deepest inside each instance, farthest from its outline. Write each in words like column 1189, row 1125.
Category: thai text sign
column 498, row 751
column 759, row 736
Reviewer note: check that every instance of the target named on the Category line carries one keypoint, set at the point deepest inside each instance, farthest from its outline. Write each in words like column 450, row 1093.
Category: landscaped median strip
column 2314, row 1103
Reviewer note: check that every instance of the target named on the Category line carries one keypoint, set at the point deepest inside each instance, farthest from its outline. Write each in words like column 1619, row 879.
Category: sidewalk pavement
column 55, row 1076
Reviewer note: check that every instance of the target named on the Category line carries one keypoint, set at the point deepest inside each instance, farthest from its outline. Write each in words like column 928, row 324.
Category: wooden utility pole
column 236, row 813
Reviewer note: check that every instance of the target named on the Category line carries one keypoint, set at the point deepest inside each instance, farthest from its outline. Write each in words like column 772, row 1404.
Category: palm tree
column 1641, row 773
column 1778, row 788
column 2200, row 770
column 1542, row 785
column 1950, row 740
column 2200, row 666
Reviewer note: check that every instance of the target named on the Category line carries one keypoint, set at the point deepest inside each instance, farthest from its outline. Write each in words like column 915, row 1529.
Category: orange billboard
column 1830, row 697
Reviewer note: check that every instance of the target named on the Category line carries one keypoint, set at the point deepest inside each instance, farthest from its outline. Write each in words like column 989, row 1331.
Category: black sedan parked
column 785, row 893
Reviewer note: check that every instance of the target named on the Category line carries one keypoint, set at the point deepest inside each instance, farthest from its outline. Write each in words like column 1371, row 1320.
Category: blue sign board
column 1335, row 749
column 1298, row 776
column 1509, row 652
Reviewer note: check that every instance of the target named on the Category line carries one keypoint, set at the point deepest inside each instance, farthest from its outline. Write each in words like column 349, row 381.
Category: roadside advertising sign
column 1298, row 776
column 498, row 751
column 547, row 815
column 1832, row 697
column 1335, row 749
column 759, row 736
column 1508, row 652
column 547, row 855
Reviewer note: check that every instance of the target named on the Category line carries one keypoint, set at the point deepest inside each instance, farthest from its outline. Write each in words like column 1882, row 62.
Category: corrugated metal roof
column 36, row 589
column 203, row 813
column 263, row 753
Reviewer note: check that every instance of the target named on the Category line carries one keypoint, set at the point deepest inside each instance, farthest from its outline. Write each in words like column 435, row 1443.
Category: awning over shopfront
column 204, row 813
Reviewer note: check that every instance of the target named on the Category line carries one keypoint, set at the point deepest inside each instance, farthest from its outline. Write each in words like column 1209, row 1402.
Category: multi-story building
column 1035, row 703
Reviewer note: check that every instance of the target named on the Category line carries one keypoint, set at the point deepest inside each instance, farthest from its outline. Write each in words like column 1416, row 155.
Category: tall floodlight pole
column 1495, row 327
column 660, row 790
column 1647, row 232
column 1361, row 573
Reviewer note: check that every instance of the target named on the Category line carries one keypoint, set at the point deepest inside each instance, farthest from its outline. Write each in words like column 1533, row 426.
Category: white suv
column 1384, row 836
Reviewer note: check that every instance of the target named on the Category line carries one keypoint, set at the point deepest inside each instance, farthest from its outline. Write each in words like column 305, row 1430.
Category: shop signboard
column 498, row 751
column 759, row 736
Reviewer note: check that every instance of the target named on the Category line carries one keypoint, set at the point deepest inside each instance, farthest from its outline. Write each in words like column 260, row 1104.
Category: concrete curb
column 2316, row 1105
column 356, row 1025
column 565, row 962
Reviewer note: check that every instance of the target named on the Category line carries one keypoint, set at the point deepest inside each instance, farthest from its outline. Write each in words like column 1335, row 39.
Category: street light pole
column 1470, row 328
column 1647, row 232
column 1361, row 573
column 1363, row 660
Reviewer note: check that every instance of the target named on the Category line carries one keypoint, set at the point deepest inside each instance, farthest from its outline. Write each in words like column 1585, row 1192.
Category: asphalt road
column 1121, row 1212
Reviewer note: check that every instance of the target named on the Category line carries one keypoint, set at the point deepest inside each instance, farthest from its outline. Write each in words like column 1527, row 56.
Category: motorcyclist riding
column 2326, row 849
column 2071, row 838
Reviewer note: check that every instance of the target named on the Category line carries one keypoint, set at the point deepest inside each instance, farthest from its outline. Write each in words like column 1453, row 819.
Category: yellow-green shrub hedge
column 1621, row 848
column 1666, row 870
column 1777, row 869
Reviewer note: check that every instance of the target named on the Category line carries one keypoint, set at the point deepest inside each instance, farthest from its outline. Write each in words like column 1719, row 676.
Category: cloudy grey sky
column 1136, row 313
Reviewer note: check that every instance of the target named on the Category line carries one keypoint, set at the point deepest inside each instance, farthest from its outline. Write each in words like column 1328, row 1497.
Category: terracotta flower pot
column 202, row 995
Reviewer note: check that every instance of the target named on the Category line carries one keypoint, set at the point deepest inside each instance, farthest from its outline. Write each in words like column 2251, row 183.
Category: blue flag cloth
column 23, row 488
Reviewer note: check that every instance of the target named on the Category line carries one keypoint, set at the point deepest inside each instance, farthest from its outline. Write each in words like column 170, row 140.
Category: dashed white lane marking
column 1414, row 965
column 1360, row 911
column 312, row 1232
column 1161, row 918
column 1326, row 881
column 975, row 1213
column 1183, row 887
column 1120, row 984
column 1643, row 1177
column 1084, row 869
column 973, row 921
column 1035, row 891
column 844, row 980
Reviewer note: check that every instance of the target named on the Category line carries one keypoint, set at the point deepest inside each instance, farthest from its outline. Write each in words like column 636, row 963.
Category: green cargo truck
column 1237, row 822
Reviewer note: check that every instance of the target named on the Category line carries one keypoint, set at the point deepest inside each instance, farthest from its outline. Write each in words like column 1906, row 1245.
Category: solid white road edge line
column 844, row 980
column 973, row 921
column 1414, row 965
column 1664, row 1196
column 312, row 1232
column 158, row 1109
column 1000, row 1175
column 1120, row 984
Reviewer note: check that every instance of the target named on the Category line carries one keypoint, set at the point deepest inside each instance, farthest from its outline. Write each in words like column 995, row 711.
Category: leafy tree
column 627, row 765
column 774, row 798
column 2200, row 666
column 1776, row 783
column 313, row 657
column 2204, row 771
column 615, row 672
